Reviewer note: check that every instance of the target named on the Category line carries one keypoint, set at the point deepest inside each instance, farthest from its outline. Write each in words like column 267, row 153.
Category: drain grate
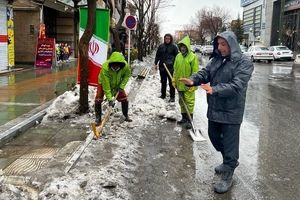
column 32, row 161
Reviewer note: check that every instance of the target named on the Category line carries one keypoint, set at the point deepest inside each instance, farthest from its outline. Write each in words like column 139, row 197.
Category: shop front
column 291, row 25
column 57, row 17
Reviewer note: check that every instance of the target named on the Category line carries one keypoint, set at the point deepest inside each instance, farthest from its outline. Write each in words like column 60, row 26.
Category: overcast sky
column 172, row 18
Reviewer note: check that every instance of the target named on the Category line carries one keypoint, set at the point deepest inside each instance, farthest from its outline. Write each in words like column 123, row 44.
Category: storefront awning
column 56, row 5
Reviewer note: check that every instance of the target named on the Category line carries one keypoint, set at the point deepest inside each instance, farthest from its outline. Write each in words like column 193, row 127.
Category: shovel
column 195, row 134
column 97, row 130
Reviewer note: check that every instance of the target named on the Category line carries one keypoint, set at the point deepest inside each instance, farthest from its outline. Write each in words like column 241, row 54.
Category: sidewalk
column 18, row 173
column 10, row 70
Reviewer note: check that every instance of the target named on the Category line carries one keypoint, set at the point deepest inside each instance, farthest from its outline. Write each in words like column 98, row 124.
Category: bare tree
column 212, row 20
column 237, row 27
column 152, row 28
column 142, row 7
column 197, row 21
column 83, row 58
column 119, row 6
column 146, row 12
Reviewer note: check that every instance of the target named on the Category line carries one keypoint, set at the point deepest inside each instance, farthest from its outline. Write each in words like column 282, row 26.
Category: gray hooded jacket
column 229, row 79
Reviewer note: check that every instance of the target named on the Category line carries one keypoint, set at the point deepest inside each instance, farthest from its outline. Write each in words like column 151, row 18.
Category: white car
column 296, row 66
column 258, row 53
column 281, row 52
column 207, row 49
column 243, row 48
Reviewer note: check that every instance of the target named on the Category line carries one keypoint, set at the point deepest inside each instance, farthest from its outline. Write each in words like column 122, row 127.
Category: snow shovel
column 195, row 134
column 97, row 130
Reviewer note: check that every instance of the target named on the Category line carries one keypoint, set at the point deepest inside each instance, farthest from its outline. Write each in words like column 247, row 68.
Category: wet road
column 173, row 167
column 25, row 90
column 272, row 114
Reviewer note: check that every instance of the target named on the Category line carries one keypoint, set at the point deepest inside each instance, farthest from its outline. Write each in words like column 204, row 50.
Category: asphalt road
column 173, row 167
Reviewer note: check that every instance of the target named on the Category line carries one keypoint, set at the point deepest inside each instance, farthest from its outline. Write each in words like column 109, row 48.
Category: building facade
column 272, row 22
column 3, row 36
column 58, row 18
column 290, row 24
column 254, row 12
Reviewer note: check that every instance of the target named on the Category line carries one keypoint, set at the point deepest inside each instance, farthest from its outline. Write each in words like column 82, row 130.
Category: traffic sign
column 130, row 22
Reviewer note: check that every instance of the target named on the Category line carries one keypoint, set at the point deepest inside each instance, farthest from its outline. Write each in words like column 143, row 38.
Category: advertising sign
column 98, row 45
column 10, row 38
column 45, row 52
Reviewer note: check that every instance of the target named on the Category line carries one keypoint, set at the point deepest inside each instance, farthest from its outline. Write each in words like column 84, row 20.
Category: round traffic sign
column 130, row 22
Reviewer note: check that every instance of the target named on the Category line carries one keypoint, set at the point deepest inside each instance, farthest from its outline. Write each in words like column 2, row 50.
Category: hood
column 117, row 57
column 168, row 34
column 235, row 50
column 187, row 42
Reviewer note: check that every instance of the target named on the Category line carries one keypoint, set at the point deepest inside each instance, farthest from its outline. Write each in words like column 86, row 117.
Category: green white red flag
column 98, row 44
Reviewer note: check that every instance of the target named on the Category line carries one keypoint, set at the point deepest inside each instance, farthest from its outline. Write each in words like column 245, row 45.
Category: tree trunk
column 76, row 28
column 83, row 56
column 116, row 37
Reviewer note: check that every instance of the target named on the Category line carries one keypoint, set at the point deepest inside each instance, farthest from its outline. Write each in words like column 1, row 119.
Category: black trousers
column 225, row 138
column 163, row 79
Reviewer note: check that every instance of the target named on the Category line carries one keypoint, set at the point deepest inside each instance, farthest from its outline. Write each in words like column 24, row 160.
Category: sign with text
column 10, row 38
column 45, row 52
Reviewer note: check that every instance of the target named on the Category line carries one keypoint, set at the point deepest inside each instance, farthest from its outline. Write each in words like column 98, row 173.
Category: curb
column 22, row 123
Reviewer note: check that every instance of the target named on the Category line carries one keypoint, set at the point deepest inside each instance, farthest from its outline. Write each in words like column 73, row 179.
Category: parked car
column 296, row 66
column 195, row 48
column 207, row 49
column 281, row 52
column 258, row 53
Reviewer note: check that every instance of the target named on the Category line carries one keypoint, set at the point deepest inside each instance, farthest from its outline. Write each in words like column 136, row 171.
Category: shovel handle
column 98, row 130
column 170, row 75
column 181, row 98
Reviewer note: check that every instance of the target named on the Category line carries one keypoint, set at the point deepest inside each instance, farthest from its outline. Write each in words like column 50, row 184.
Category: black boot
column 225, row 183
column 222, row 168
column 188, row 124
column 183, row 119
column 98, row 113
column 125, row 111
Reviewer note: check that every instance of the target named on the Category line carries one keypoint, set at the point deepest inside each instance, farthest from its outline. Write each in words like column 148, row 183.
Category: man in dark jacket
column 227, row 73
column 166, row 53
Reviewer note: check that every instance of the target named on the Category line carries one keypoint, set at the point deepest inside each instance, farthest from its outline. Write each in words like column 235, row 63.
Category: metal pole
column 129, row 38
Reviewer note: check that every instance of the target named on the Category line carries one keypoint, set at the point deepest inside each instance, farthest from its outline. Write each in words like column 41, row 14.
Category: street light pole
column 252, row 36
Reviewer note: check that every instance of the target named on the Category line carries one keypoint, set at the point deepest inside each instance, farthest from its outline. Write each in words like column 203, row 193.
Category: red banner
column 45, row 52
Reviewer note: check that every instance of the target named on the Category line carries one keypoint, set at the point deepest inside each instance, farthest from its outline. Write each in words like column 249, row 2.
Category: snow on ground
column 93, row 177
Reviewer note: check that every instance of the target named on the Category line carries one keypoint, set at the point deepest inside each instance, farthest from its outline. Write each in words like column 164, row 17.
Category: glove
column 192, row 89
column 111, row 103
column 174, row 83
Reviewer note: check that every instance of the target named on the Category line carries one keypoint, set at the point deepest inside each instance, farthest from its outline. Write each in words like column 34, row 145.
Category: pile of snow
column 67, row 104
column 91, row 177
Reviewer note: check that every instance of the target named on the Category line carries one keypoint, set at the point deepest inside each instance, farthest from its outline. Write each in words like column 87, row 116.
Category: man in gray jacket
column 225, row 80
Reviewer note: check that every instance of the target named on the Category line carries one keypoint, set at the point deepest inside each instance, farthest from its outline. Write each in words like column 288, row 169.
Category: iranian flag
column 98, row 45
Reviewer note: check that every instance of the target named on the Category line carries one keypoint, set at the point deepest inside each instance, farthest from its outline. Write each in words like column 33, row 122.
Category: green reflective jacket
column 185, row 66
column 111, row 80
